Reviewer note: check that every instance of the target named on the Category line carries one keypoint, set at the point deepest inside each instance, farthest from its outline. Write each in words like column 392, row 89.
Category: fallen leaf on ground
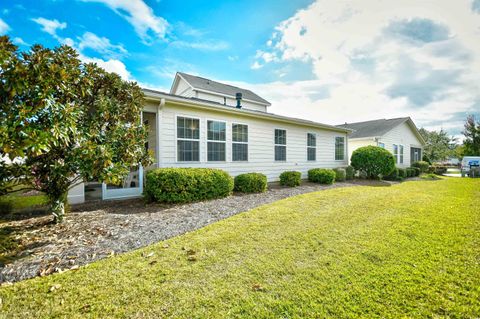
column 55, row 287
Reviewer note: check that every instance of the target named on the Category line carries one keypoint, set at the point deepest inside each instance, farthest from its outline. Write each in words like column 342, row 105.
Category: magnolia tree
column 63, row 122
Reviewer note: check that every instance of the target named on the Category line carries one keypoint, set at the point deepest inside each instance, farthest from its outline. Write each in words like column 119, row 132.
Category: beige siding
column 355, row 144
column 261, row 144
column 183, row 88
column 401, row 135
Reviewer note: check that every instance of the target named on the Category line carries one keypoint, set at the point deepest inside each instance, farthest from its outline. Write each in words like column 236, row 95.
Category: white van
column 469, row 161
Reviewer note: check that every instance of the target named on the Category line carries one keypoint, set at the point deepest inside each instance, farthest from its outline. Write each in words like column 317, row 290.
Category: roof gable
column 203, row 84
column 377, row 128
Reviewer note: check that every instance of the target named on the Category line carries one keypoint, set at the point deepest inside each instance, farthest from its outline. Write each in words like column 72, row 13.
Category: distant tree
column 439, row 146
column 63, row 121
column 471, row 143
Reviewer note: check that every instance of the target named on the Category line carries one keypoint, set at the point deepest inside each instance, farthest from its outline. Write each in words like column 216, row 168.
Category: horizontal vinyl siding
column 355, row 144
column 401, row 135
column 260, row 144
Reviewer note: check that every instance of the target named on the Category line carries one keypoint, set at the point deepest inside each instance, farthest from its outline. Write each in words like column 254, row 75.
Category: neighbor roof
column 204, row 84
column 373, row 128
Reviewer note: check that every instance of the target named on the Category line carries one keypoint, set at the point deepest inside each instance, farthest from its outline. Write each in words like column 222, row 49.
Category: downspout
column 157, row 128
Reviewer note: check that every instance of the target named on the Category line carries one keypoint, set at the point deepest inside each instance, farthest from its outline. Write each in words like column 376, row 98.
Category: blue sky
column 330, row 61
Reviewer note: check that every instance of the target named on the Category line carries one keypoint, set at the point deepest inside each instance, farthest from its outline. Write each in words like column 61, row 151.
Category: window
column 339, row 148
column 239, row 142
column 311, row 147
column 382, row 145
column 395, row 152
column 216, row 133
column 401, row 154
column 188, row 139
column 280, row 145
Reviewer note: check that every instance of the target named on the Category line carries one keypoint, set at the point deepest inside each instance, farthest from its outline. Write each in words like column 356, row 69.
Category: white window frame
column 275, row 144
column 335, row 148
column 188, row 139
column 216, row 141
column 395, row 154
column 401, row 154
column 246, row 143
column 312, row 147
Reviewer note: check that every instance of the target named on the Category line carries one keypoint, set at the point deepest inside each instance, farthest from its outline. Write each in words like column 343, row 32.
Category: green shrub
column 251, row 183
column 417, row 171
column 321, row 175
column 411, row 172
column 402, row 173
column 422, row 165
column 349, row 172
column 393, row 176
column 373, row 160
column 340, row 174
column 183, row 185
column 290, row 178
column 431, row 169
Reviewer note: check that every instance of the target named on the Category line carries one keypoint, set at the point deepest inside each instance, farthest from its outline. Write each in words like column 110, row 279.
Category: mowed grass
column 409, row 250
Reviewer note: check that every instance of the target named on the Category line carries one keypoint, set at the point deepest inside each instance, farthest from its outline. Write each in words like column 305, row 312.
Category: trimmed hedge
column 373, row 160
column 290, row 178
column 422, row 165
column 410, row 172
column 350, row 172
column 417, row 171
column 321, row 175
column 393, row 176
column 402, row 173
column 340, row 174
column 251, row 183
column 183, row 185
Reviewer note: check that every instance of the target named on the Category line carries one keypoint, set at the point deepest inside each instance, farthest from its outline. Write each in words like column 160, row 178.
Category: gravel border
column 97, row 230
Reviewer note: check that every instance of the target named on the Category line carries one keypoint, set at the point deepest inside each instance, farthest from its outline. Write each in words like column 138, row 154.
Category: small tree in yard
column 471, row 144
column 373, row 161
column 63, row 121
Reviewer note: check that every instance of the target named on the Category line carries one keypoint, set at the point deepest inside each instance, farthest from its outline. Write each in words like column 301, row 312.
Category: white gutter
column 231, row 110
column 230, row 96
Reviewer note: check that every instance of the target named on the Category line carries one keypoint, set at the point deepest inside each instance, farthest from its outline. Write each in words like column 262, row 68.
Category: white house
column 204, row 123
column 399, row 135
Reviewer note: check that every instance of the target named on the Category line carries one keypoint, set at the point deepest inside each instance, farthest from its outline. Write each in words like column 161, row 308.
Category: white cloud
column 256, row 66
column 140, row 16
column 50, row 26
column 19, row 41
column 101, row 45
column 3, row 27
column 110, row 65
column 209, row 45
column 372, row 59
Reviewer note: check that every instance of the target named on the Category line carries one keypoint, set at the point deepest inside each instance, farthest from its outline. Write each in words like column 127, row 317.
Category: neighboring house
column 204, row 123
column 400, row 136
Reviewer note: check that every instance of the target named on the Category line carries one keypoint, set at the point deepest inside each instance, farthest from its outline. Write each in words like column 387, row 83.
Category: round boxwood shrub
column 402, row 173
column 321, row 175
column 340, row 174
column 290, row 178
column 416, row 170
column 393, row 176
column 350, row 172
column 183, row 185
column 410, row 172
column 422, row 165
column 373, row 160
column 251, row 183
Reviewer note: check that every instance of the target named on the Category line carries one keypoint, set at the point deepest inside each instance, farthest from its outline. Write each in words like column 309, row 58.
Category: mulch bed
column 96, row 230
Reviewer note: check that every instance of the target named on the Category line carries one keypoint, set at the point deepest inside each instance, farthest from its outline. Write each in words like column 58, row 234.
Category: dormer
column 192, row 86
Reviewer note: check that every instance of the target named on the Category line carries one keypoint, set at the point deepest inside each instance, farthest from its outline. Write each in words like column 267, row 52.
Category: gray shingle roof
column 209, row 85
column 373, row 128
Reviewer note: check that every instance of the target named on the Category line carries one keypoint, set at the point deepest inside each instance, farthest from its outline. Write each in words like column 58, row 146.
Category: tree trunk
column 58, row 207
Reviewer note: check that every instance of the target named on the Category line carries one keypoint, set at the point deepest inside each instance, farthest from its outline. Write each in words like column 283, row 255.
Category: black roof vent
column 238, row 97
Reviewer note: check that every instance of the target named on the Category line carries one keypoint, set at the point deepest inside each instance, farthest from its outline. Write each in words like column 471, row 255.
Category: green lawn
column 409, row 250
